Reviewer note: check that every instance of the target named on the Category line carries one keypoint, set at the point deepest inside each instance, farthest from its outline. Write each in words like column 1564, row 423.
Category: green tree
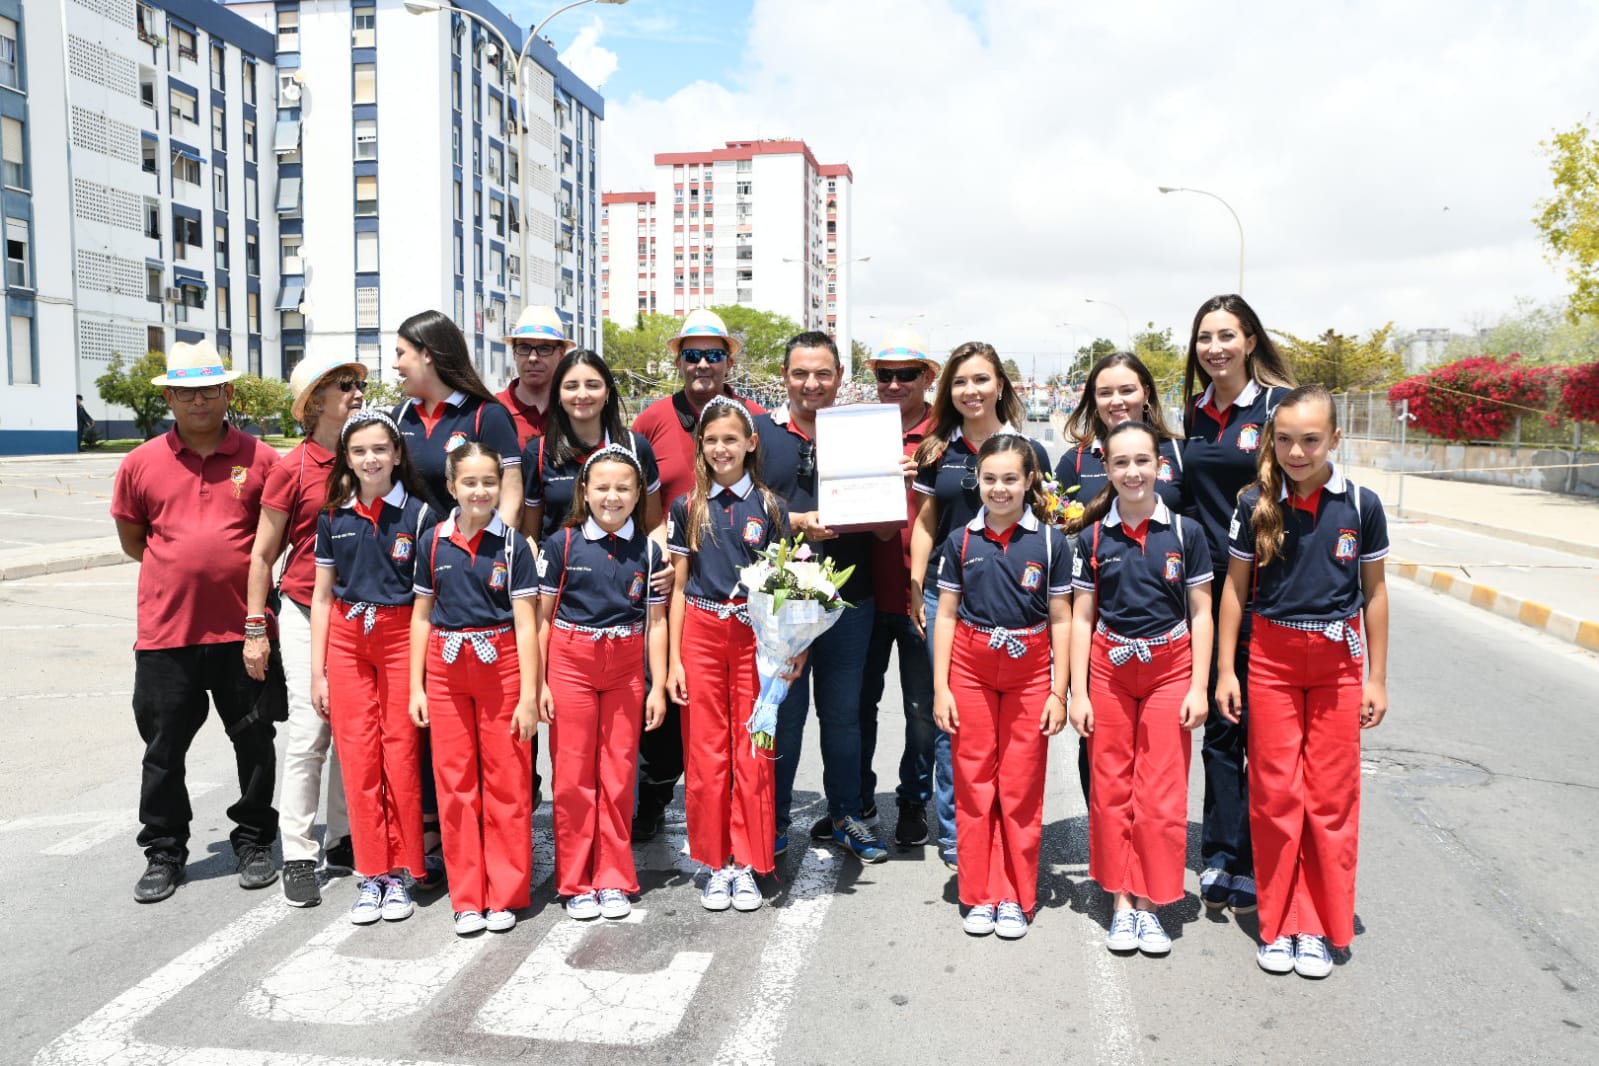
column 128, row 386
column 765, row 336
column 1158, row 352
column 1343, row 363
column 260, row 400
column 858, row 354
column 382, row 395
column 1569, row 220
column 1090, row 353
column 1013, row 371
column 1542, row 335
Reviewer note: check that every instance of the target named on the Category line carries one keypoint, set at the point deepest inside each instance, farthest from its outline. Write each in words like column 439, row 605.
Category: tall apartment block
column 132, row 192
column 757, row 223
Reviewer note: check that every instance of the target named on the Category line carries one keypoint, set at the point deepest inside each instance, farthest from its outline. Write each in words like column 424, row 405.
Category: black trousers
column 660, row 762
column 171, row 687
column 1224, row 832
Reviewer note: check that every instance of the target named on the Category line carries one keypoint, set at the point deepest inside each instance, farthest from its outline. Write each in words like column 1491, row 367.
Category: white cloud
column 1006, row 155
column 587, row 59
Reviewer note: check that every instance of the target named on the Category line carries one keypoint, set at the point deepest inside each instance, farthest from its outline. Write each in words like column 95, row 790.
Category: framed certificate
column 859, row 478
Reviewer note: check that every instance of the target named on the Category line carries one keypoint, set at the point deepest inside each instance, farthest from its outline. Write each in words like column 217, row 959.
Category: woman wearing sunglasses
column 975, row 400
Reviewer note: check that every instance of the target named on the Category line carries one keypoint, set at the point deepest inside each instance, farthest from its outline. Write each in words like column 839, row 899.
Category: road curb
column 1561, row 626
column 1535, row 540
column 61, row 559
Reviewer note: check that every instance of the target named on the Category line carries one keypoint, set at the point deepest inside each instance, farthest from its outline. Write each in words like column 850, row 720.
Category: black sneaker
column 647, row 825
column 911, row 829
column 339, row 858
column 432, row 872
column 869, row 813
column 823, row 829
column 300, row 888
column 255, row 867
column 160, row 879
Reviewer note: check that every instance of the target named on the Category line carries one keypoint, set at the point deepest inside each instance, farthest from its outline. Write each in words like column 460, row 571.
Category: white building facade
column 130, row 139
column 760, row 224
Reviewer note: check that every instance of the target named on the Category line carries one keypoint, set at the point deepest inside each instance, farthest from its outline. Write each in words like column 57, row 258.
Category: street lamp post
column 1230, row 211
column 1126, row 324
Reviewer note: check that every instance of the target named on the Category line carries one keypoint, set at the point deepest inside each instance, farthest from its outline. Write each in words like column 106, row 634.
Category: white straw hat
column 701, row 324
column 191, row 365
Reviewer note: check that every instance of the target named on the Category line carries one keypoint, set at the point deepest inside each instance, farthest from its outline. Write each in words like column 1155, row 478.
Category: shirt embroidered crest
column 1347, row 540
column 754, row 530
column 635, row 588
column 1032, row 575
column 239, row 475
column 498, row 577
column 402, row 548
column 1248, row 437
column 1174, row 566
column 1164, row 473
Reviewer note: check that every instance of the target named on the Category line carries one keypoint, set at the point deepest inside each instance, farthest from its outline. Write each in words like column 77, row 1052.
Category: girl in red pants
column 360, row 673
column 999, row 682
column 474, row 680
column 1141, row 635
column 712, row 532
column 598, row 619
column 1307, row 548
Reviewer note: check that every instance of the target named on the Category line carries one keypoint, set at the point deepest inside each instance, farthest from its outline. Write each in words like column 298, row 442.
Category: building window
column 252, row 318
column 16, row 170
column 289, row 246
column 220, row 239
column 455, row 145
column 22, row 351
column 219, row 129
column 455, row 203
column 460, row 255
column 151, row 152
column 186, row 168
column 249, row 82
column 224, row 314
column 193, row 296
column 251, row 209
column 152, row 284
column 8, row 54
column 149, row 27
column 366, row 83
column 184, row 41
column 366, row 253
column 152, row 218
column 17, row 252
column 289, row 31
column 366, row 139
column 513, row 168
column 366, row 195
column 366, row 308
column 218, row 65
column 249, row 140
column 147, row 87
column 288, row 202
column 497, row 265
column 363, row 23
column 252, row 255
column 497, row 215
column 185, row 234
column 183, row 105
column 219, row 183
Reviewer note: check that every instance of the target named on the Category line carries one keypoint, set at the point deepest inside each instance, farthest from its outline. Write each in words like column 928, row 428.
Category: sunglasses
column 348, row 384
column 696, row 355
column 184, row 394
column 969, row 482
column 902, row 374
column 807, row 459
column 543, row 351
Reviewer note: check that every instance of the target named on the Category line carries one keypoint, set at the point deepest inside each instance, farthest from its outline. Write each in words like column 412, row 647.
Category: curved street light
column 1126, row 325
column 1230, row 211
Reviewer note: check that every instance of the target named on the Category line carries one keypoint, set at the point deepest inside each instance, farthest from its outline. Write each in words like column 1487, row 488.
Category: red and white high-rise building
column 761, row 224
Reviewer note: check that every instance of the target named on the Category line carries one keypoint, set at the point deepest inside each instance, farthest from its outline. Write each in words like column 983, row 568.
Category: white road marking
column 69, row 625
column 111, row 694
column 54, row 517
column 754, row 1042
column 102, row 825
column 1115, row 1026
column 547, row 998
column 28, row 583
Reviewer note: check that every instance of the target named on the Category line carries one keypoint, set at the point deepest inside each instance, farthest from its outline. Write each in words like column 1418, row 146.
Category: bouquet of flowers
column 1058, row 502
column 793, row 599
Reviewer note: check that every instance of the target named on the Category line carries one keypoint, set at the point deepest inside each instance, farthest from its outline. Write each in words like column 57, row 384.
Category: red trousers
column 999, row 757
column 729, row 791
column 369, row 694
column 484, row 776
column 1304, row 781
column 598, row 687
column 1138, row 757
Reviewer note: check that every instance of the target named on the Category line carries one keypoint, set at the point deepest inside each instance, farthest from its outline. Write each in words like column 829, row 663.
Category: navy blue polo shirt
column 1219, row 459
column 783, row 454
column 740, row 529
column 373, row 556
column 473, row 582
column 465, row 418
column 1316, row 576
column 1006, row 579
column 1084, row 468
column 553, row 485
column 943, row 482
column 1140, row 577
column 602, row 579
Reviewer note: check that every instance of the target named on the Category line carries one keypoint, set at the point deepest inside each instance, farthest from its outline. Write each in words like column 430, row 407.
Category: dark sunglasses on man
column 543, row 351
column 902, row 374
column 692, row 356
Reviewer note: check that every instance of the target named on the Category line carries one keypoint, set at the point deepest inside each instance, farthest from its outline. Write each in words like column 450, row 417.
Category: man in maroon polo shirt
column 537, row 343
column 186, row 506
column 704, row 351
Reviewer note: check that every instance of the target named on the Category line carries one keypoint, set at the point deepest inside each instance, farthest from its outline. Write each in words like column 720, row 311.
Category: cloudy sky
column 1383, row 157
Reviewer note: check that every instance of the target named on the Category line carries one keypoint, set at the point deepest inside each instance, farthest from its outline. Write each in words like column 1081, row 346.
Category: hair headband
column 726, row 401
column 615, row 453
column 360, row 417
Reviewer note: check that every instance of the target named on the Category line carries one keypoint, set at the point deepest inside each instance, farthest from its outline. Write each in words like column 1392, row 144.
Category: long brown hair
column 718, row 409
column 435, row 333
column 1098, row 507
column 945, row 417
column 1265, row 364
column 1084, row 424
column 342, row 480
column 1267, row 521
column 1004, row 443
column 611, row 453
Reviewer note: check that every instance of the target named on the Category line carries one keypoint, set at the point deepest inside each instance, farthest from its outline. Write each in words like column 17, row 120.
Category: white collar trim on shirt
column 1161, row 514
column 1335, row 482
column 1004, row 427
column 741, row 488
column 592, row 530
column 447, row 527
column 395, row 497
column 1243, row 399
column 454, row 399
column 1029, row 521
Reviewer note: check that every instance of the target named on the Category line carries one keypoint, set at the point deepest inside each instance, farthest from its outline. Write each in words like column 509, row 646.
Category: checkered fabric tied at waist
column 1009, row 639
column 1345, row 631
column 482, row 641
column 1127, row 647
column 598, row 632
column 368, row 613
column 723, row 610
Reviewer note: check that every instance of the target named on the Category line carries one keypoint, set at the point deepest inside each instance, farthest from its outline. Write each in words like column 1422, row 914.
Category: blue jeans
column 943, row 759
column 838, row 664
column 890, row 631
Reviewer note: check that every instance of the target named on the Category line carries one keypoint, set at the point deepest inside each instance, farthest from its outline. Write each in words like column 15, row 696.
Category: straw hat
column 308, row 373
column 539, row 323
column 191, row 365
column 902, row 345
column 701, row 324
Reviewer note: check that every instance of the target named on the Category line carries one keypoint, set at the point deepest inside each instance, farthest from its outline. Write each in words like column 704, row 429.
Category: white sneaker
column 717, row 894
column 1278, row 956
column 369, row 904
column 583, row 906
column 1311, row 957
column 979, row 921
column 397, row 905
column 498, row 921
column 469, row 922
column 746, row 893
column 1123, row 935
column 1152, row 938
column 1010, row 922
column 614, row 903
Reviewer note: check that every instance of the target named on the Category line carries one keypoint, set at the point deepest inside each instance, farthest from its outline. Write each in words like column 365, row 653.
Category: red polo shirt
column 200, row 515
column 529, row 420
column 661, row 423
column 298, row 487
column 891, row 559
